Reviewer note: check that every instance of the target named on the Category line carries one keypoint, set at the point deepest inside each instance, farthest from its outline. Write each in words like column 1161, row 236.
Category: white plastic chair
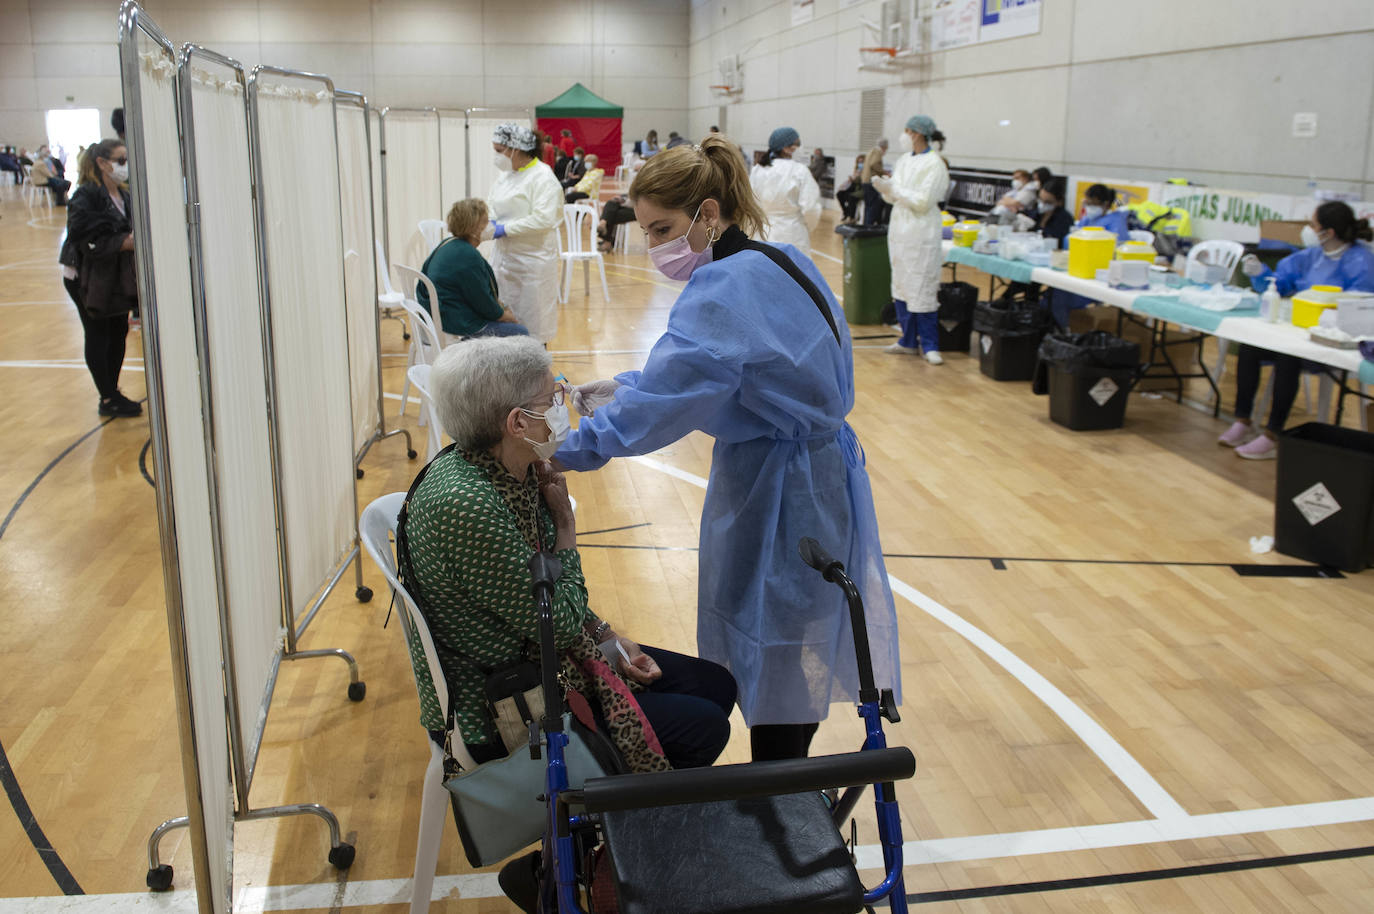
column 1226, row 254
column 1143, row 236
column 389, row 298
column 376, row 529
column 33, row 191
column 424, row 345
column 418, row 377
column 580, row 221
column 433, row 231
column 410, row 277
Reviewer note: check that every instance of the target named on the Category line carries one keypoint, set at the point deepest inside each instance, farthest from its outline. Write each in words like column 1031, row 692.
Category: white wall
column 448, row 53
column 1200, row 89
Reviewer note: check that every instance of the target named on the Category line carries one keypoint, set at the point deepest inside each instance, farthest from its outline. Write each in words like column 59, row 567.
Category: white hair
column 475, row 385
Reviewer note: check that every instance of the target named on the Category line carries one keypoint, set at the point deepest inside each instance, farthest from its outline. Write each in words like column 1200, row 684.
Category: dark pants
column 615, row 214
column 772, row 742
column 688, row 707
column 59, row 187
column 104, row 344
column 849, row 204
column 1287, row 376
column 573, row 196
column 503, row 328
column 876, row 212
column 920, row 329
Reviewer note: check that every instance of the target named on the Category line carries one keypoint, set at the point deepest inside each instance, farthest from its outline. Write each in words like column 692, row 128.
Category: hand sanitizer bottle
column 1270, row 303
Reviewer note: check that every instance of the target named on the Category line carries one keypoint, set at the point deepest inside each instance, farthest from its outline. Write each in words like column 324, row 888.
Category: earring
column 711, row 235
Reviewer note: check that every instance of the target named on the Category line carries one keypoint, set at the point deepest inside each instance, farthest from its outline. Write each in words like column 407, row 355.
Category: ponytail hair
column 937, row 139
column 683, row 177
column 88, row 172
column 1337, row 216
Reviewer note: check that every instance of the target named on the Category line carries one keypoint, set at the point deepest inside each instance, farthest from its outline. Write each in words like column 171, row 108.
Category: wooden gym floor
column 1107, row 716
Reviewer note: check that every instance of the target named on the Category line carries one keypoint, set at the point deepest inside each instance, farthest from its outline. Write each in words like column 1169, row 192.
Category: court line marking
column 831, row 257
column 1121, row 763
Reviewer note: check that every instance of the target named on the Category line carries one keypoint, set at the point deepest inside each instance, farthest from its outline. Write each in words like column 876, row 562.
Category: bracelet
column 600, row 631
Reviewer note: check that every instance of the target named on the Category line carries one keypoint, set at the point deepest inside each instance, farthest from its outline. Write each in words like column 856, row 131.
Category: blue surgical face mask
column 1092, row 212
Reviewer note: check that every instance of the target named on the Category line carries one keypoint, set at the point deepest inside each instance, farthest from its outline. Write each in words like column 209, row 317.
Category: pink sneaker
column 1236, row 434
column 1262, row 448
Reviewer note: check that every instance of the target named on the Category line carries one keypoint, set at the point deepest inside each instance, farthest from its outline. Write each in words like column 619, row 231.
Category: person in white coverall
column 918, row 184
column 787, row 191
column 526, row 204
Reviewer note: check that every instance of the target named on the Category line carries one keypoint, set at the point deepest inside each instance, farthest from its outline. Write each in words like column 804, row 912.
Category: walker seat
column 759, row 855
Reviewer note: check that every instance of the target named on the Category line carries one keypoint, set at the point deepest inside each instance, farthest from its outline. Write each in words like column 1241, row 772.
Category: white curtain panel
column 360, row 271
column 453, row 141
column 299, row 187
column 229, row 263
column 412, row 182
column 177, row 396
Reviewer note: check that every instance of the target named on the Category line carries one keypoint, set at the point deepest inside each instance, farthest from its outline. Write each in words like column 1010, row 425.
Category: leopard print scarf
column 583, row 670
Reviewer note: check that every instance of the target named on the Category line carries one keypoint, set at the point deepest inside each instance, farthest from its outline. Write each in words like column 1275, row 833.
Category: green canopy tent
column 594, row 122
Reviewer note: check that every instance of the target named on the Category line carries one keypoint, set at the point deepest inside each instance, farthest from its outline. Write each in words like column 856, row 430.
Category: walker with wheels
column 755, row 837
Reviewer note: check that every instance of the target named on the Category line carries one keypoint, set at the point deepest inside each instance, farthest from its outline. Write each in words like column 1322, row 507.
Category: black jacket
column 96, row 228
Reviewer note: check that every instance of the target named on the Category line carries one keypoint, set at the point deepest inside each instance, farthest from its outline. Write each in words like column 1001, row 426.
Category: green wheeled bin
column 867, row 272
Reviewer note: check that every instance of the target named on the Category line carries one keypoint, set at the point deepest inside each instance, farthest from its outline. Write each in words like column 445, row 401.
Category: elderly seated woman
column 485, row 505
column 469, row 302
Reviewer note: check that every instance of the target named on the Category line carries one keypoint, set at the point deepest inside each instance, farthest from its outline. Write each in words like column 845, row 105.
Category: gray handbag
column 498, row 805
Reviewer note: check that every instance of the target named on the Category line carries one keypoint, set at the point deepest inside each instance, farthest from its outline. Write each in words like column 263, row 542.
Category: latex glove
column 489, row 232
column 498, row 230
column 1250, row 265
column 588, row 398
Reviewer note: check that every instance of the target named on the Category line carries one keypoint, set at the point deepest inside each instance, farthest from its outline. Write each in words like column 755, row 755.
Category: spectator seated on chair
column 41, row 174
column 1099, row 210
column 574, row 167
column 483, row 508
column 1334, row 255
column 9, row 161
column 617, row 211
column 469, row 302
column 589, row 185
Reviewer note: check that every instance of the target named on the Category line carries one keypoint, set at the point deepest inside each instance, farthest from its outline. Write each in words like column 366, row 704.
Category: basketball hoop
column 890, row 52
column 724, row 90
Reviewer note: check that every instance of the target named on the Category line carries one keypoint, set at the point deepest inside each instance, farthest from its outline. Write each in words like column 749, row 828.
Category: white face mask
column 1017, row 184
column 503, row 162
column 119, row 172
column 675, row 259
column 556, row 417
column 1310, row 237
column 1092, row 212
column 904, row 142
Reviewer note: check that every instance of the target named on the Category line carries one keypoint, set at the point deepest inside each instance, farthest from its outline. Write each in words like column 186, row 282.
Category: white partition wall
column 360, row 268
column 225, row 290
column 411, row 178
column 374, row 130
column 179, row 447
column 300, row 244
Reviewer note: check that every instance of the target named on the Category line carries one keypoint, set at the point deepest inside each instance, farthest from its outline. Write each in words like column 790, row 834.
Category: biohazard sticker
column 1103, row 391
column 1316, row 504
column 986, row 344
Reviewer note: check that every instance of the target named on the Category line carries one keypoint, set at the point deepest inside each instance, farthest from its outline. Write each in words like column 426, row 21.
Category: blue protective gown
column 1353, row 271
column 1114, row 221
column 748, row 358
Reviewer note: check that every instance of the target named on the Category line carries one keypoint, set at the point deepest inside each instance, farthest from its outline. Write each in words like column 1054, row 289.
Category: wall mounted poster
column 1008, row 19
column 954, row 24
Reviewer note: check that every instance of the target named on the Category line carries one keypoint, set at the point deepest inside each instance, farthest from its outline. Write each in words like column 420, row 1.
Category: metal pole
column 131, row 21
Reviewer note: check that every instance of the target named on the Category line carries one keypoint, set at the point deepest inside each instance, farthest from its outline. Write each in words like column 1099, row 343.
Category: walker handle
column 833, row 571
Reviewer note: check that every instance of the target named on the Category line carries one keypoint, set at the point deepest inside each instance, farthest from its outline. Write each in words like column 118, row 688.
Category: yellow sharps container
column 1090, row 249
column 1309, row 304
column 1136, row 250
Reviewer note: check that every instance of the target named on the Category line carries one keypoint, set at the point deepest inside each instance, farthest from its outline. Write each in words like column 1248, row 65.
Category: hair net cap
column 782, row 138
column 923, row 125
column 514, row 136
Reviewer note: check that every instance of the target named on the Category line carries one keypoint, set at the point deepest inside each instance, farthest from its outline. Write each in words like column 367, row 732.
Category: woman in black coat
column 98, row 267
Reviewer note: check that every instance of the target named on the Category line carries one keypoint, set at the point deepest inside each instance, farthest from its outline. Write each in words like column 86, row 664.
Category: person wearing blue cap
column 918, row 184
column 787, row 191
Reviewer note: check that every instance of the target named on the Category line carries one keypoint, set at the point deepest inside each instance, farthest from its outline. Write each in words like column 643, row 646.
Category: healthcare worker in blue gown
column 757, row 355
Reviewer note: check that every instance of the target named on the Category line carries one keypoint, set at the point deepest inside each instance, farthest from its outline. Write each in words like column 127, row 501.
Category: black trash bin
column 1324, row 504
column 1009, row 336
column 957, row 301
column 1088, row 376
